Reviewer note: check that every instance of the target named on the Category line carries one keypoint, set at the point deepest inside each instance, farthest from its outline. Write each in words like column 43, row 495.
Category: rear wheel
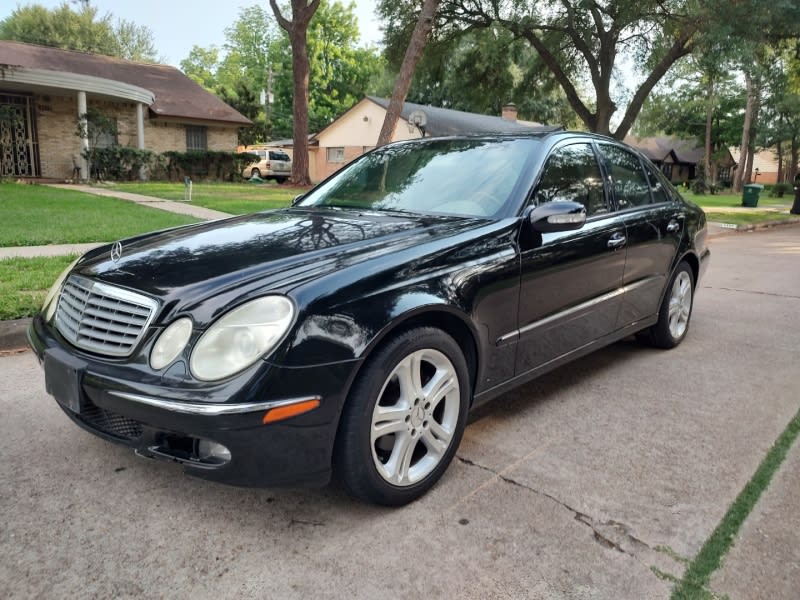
column 255, row 173
column 675, row 311
column 404, row 418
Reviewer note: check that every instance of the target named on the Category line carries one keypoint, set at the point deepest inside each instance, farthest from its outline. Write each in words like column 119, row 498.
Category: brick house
column 43, row 91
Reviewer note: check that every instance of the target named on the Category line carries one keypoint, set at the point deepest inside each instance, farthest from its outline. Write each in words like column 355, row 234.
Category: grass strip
column 709, row 559
column 749, row 218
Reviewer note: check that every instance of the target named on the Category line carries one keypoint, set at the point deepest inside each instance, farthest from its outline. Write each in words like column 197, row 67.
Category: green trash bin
column 750, row 194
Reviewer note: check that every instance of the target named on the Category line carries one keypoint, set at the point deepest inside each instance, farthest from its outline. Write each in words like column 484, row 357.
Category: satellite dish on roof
column 417, row 120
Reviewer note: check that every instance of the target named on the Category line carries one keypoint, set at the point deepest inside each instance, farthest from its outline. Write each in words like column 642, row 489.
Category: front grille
column 102, row 318
column 110, row 422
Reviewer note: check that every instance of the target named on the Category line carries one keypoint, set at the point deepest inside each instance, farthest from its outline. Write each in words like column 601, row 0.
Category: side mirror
column 296, row 200
column 558, row 216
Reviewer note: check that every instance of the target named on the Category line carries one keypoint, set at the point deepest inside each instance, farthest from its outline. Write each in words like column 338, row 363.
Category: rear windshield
column 273, row 155
column 471, row 178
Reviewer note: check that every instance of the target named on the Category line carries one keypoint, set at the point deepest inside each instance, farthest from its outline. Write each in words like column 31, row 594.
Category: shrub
column 206, row 164
column 119, row 163
column 779, row 189
column 698, row 186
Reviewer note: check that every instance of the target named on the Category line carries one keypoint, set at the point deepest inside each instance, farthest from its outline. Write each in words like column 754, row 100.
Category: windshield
column 470, row 178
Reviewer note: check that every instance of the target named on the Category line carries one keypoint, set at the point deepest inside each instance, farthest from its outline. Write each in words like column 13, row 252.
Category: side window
column 571, row 174
column 630, row 186
column 657, row 186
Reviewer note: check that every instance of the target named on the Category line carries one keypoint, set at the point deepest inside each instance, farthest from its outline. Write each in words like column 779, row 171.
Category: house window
column 666, row 169
column 335, row 155
column 105, row 139
column 196, row 138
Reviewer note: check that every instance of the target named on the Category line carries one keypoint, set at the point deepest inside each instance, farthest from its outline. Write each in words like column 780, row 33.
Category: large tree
column 481, row 70
column 419, row 37
column 297, row 30
column 83, row 29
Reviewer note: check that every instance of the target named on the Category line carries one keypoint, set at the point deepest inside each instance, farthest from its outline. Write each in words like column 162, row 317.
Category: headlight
column 170, row 343
column 241, row 337
column 51, row 300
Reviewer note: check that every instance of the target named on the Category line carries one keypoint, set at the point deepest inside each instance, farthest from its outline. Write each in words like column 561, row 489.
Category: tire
column 404, row 418
column 281, row 180
column 675, row 311
column 255, row 173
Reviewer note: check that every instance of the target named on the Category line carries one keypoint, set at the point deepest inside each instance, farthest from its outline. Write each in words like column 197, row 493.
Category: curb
column 13, row 334
column 754, row 226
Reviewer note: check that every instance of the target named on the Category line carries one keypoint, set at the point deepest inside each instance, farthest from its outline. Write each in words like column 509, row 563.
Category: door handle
column 617, row 240
column 673, row 226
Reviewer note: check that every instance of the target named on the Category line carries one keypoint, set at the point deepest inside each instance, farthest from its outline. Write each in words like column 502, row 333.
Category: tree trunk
column 300, row 72
column 708, row 172
column 779, row 153
column 739, row 179
column 297, row 28
column 416, row 45
column 751, row 146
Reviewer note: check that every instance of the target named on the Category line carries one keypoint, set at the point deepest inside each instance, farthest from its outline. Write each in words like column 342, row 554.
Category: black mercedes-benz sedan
column 352, row 333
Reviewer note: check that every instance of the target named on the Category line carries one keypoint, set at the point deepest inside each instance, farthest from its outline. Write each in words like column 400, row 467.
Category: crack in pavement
column 579, row 516
column 759, row 293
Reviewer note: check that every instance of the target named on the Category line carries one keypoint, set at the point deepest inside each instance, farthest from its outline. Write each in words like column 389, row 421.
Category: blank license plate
column 62, row 378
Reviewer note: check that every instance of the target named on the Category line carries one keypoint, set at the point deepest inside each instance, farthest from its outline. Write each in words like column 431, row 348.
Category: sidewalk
column 180, row 208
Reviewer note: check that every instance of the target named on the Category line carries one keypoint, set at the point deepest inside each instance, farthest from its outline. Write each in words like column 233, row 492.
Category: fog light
column 209, row 451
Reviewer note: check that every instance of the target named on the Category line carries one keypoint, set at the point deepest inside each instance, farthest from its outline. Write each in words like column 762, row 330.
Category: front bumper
column 123, row 404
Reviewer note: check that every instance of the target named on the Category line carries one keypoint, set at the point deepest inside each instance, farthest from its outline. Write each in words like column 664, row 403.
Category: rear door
column 571, row 282
column 654, row 225
column 280, row 162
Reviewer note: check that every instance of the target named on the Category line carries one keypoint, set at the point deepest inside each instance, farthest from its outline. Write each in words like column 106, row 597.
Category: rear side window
column 657, row 186
column 630, row 185
column 571, row 174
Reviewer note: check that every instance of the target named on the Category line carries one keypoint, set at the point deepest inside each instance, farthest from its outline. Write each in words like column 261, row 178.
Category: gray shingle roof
column 445, row 121
column 658, row 148
column 176, row 95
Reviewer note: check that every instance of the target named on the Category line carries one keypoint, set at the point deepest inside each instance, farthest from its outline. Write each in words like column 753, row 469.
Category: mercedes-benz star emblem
column 116, row 251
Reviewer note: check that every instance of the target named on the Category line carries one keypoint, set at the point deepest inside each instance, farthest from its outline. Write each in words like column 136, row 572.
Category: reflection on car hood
column 277, row 250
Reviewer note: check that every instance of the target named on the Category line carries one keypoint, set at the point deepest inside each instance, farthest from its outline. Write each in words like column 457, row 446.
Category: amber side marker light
column 292, row 410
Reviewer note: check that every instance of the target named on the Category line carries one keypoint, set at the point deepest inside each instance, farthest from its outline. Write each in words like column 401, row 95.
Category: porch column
column 140, row 135
column 84, row 135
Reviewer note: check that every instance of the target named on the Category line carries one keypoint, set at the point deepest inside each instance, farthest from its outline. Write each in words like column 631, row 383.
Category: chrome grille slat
column 102, row 318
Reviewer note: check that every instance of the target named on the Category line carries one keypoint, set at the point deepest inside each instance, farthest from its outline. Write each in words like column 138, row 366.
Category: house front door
column 18, row 141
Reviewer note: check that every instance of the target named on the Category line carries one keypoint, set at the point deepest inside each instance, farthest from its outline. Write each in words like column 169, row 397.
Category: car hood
column 274, row 250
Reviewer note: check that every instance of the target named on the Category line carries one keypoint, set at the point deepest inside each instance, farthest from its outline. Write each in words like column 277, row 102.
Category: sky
column 179, row 25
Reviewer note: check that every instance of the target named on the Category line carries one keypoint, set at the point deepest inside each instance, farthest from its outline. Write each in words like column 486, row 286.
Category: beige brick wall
column 57, row 124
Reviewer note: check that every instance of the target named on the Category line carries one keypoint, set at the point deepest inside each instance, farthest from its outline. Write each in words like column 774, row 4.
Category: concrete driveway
column 600, row 480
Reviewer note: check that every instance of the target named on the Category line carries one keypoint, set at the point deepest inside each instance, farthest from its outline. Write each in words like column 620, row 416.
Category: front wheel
column 404, row 418
column 675, row 310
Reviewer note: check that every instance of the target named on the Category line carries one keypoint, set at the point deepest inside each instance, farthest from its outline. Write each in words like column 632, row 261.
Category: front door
column 571, row 282
column 19, row 155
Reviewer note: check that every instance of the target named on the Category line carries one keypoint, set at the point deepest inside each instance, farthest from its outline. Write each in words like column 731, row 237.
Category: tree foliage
column 85, row 30
column 255, row 65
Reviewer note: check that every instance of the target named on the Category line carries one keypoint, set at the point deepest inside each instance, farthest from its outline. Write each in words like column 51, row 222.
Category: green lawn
column 232, row 198
column 24, row 283
column 733, row 200
column 34, row 215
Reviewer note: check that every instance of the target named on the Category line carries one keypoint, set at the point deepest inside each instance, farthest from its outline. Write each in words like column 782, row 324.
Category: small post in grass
column 187, row 191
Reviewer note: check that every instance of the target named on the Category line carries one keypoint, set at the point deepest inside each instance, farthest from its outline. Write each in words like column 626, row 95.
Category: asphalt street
column 600, row 480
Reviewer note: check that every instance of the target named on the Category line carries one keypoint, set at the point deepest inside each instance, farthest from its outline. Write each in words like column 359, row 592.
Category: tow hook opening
column 198, row 452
